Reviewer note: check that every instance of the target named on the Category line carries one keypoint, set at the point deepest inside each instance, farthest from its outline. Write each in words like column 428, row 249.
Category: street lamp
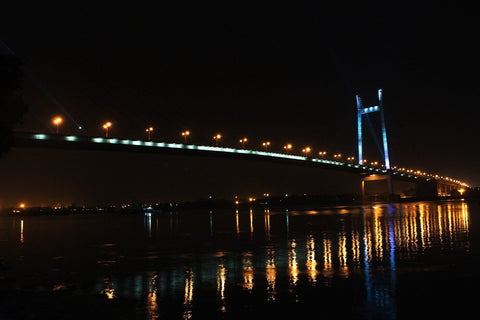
column 266, row 144
column 287, row 147
column 106, row 126
column 243, row 141
column 306, row 150
column 217, row 137
column 149, row 131
column 337, row 156
column 185, row 134
column 350, row 158
column 322, row 153
column 57, row 121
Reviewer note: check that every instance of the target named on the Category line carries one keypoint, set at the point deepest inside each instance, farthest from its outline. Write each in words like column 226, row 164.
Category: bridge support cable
column 42, row 88
column 375, row 139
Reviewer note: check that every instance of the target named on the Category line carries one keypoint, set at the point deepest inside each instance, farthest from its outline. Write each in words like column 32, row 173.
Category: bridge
column 433, row 184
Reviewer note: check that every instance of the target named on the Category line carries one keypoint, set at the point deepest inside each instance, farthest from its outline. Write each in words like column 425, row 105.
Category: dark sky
column 287, row 72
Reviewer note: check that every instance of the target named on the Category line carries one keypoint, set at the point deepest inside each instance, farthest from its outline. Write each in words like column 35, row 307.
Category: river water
column 397, row 261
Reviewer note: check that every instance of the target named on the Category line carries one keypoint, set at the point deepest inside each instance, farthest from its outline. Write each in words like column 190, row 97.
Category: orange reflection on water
column 188, row 296
column 342, row 255
column 108, row 290
column 251, row 221
column 377, row 229
column 356, row 247
column 271, row 274
column 420, row 225
column 327, row 258
column 247, row 271
column 151, row 304
column 21, row 231
column 221, row 278
column 292, row 264
column 311, row 263
column 367, row 240
column 237, row 222
column 267, row 224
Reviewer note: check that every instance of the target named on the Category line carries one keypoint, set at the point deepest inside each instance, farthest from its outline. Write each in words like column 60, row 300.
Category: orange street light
column 57, row 121
column 266, row 144
column 106, row 126
column 217, row 137
column 149, row 131
column 185, row 134
column 287, row 147
column 306, row 150
column 243, row 141
column 322, row 153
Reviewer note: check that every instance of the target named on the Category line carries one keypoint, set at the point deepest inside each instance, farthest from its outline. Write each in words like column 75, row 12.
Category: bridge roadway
column 60, row 141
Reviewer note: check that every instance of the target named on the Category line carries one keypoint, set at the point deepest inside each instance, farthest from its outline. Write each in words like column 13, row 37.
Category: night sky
column 284, row 72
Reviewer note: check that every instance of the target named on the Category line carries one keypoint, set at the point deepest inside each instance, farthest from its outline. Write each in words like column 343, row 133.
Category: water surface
column 367, row 262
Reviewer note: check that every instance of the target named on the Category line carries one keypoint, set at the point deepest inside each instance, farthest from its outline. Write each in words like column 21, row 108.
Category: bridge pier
column 386, row 195
column 433, row 189
column 445, row 189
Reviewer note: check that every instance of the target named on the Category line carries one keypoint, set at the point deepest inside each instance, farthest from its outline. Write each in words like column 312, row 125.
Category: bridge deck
column 59, row 141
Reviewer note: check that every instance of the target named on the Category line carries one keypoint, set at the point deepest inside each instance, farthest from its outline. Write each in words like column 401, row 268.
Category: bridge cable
column 43, row 89
column 375, row 138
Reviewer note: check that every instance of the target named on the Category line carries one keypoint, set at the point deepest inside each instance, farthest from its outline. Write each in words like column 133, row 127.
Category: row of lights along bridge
column 288, row 148
column 57, row 121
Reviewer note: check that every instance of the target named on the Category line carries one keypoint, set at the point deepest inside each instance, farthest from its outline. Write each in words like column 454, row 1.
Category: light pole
column 57, row 121
column 322, row 154
column 185, row 134
column 243, row 141
column 149, row 131
column 217, row 137
column 106, row 126
column 306, row 150
column 287, row 147
column 266, row 144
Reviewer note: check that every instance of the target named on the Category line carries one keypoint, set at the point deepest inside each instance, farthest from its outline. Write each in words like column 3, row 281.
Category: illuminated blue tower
column 361, row 111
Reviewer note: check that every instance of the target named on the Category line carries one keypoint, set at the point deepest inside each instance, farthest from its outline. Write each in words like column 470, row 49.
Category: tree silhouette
column 12, row 107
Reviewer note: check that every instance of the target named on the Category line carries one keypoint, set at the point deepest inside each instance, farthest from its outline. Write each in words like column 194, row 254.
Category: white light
column 175, row 145
column 243, row 151
column 40, row 136
column 98, row 140
column 71, row 138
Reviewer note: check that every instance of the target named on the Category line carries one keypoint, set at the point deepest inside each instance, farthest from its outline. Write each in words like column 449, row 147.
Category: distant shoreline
column 272, row 203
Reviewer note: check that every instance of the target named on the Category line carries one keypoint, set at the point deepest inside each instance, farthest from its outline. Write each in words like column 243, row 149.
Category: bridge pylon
column 361, row 111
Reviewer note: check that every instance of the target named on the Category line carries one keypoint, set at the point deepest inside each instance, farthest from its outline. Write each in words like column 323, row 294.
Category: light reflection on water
column 175, row 263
